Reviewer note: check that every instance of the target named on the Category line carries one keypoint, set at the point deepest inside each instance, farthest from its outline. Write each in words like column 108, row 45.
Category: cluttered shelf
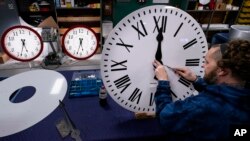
column 212, row 10
column 244, row 15
column 77, row 8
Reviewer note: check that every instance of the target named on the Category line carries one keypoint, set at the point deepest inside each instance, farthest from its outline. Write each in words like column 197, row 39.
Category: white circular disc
column 50, row 86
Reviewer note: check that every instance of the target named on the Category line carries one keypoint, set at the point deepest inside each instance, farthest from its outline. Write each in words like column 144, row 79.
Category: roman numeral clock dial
column 159, row 32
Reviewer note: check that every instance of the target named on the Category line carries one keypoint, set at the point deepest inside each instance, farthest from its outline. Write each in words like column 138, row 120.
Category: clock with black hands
column 164, row 33
column 80, row 42
column 22, row 43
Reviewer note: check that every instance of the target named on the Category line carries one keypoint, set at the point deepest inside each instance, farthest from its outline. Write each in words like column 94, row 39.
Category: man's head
column 230, row 65
column 210, row 66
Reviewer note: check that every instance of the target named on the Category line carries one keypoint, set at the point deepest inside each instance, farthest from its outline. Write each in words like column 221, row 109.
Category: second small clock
column 80, row 42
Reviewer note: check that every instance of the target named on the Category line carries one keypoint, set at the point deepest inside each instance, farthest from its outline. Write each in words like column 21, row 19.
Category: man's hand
column 186, row 73
column 160, row 71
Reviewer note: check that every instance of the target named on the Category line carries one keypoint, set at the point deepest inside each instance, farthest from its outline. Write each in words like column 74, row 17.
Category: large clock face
column 80, row 42
column 22, row 43
column 159, row 32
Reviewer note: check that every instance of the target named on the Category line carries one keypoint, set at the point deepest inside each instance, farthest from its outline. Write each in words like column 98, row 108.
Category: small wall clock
column 160, row 32
column 22, row 43
column 80, row 42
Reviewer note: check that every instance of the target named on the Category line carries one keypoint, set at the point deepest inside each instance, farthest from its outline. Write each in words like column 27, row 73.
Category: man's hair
column 236, row 57
column 217, row 54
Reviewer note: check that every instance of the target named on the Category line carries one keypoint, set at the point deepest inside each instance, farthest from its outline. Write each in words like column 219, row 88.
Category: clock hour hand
column 23, row 45
column 159, row 38
column 80, row 45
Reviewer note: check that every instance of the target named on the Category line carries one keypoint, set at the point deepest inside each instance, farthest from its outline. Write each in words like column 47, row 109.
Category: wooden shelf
column 212, row 10
column 96, row 29
column 217, row 20
column 76, row 8
column 79, row 19
column 68, row 17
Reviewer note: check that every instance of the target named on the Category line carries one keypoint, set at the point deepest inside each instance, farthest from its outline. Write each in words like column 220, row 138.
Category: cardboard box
column 220, row 6
column 49, row 22
column 3, row 58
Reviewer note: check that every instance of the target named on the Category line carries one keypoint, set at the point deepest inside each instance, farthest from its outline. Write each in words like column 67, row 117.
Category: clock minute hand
column 23, row 44
column 159, row 38
column 80, row 44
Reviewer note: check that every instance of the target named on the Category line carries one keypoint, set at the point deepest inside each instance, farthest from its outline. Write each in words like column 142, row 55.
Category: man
column 223, row 100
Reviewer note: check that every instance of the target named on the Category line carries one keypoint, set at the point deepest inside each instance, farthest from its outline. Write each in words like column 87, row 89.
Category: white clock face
column 22, row 43
column 132, row 46
column 80, row 42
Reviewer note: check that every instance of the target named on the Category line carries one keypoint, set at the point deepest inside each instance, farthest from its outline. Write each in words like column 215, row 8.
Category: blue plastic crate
column 85, row 83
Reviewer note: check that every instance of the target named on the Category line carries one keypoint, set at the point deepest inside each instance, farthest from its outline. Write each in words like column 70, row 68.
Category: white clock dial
column 22, row 43
column 132, row 46
column 80, row 42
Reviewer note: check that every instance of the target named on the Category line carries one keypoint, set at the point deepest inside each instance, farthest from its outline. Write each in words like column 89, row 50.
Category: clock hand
column 172, row 69
column 23, row 44
column 80, row 45
column 80, row 40
column 158, row 54
column 78, row 49
column 159, row 38
column 21, row 54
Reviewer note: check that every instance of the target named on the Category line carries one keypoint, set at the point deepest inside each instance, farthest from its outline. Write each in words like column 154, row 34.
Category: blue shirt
column 206, row 116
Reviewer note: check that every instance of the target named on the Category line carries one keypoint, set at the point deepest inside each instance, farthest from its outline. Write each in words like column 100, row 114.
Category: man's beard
column 211, row 78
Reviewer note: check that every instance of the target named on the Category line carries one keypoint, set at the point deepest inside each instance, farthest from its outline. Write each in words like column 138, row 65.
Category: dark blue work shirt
column 206, row 116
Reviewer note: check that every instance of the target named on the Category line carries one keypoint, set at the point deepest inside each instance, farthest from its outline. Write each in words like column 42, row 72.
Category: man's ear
column 223, row 71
